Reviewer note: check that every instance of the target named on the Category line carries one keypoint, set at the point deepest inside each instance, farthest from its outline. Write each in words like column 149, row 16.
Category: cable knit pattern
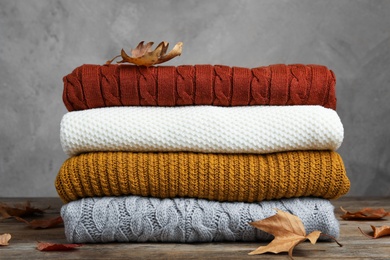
column 93, row 86
column 207, row 129
column 139, row 219
column 222, row 177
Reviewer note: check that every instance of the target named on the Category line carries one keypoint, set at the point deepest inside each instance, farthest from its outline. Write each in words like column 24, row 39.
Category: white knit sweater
column 208, row 129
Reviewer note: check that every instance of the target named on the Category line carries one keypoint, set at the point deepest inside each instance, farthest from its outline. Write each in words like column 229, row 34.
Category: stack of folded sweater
column 195, row 153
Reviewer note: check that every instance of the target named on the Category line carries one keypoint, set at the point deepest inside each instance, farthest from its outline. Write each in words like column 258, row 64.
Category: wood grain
column 355, row 245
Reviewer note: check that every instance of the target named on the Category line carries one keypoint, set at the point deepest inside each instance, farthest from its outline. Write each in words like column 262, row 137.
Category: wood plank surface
column 355, row 245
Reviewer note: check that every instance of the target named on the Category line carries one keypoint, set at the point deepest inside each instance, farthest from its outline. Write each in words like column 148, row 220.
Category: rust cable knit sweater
column 93, row 86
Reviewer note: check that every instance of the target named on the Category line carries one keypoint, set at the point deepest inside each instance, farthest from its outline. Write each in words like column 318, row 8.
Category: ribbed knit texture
column 207, row 129
column 222, row 177
column 138, row 219
column 92, row 86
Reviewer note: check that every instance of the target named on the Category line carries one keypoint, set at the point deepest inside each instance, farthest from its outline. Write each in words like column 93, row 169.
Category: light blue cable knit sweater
column 141, row 219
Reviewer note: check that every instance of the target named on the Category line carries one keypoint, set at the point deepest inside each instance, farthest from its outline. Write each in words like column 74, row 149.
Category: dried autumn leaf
column 141, row 55
column 365, row 213
column 42, row 223
column 44, row 246
column 378, row 231
column 4, row 238
column 18, row 210
column 288, row 231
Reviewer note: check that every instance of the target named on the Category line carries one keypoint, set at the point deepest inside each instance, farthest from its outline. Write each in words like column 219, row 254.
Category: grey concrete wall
column 41, row 41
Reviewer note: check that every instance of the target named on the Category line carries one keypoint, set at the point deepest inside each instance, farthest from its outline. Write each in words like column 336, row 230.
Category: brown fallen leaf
column 378, row 231
column 19, row 210
column 4, row 238
column 141, row 55
column 42, row 223
column 288, row 231
column 45, row 246
column 365, row 213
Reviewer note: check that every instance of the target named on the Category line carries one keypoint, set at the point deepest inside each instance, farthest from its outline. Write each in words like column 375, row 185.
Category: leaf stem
column 333, row 238
column 110, row 61
column 367, row 235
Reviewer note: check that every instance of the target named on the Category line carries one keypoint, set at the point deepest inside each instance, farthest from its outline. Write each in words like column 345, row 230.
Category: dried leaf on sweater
column 288, row 231
column 365, row 213
column 4, row 238
column 378, row 231
column 19, row 210
column 45, row 246
column 141, row 55
column 42, row 223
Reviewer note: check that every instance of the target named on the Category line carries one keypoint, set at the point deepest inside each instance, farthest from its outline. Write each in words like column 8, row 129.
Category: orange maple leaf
column 365, row 213
column 288, row 231
column 141, row 55
column 378, row 231
column 4, row 238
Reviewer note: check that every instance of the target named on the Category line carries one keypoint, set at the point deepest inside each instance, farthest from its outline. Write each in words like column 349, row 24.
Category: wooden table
column 355, row 245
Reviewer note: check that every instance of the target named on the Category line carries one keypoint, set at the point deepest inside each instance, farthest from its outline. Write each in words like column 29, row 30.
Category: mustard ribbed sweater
column 221, row 177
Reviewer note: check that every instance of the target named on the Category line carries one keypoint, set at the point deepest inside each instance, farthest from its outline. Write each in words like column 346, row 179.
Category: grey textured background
column 41, row 41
